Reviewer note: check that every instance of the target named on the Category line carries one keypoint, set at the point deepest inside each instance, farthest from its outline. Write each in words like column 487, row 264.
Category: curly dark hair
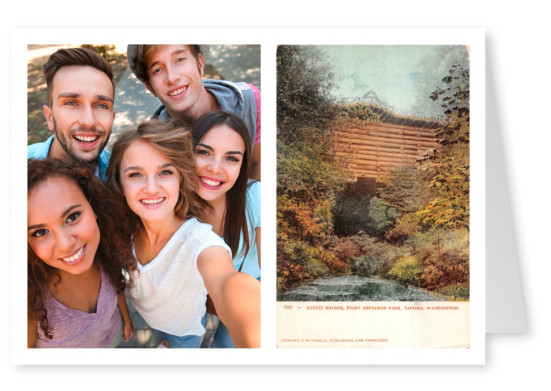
column 114, row 254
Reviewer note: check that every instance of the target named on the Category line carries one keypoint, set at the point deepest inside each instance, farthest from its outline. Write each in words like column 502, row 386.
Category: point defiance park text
column 374, row 308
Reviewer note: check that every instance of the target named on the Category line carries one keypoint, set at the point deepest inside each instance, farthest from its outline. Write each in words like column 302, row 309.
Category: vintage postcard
column 374, row 196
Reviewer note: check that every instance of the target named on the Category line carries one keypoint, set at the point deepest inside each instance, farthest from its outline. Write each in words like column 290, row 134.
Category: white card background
column 518, row 61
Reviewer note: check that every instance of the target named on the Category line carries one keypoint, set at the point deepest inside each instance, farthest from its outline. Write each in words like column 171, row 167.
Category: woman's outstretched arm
column 236, row 296
column 127, row 327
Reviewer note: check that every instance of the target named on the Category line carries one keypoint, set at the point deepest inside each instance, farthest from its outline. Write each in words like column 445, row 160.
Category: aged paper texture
column 374, row 216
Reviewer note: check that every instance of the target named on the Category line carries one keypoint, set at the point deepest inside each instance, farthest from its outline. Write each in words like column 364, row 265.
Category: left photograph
column 143, row 196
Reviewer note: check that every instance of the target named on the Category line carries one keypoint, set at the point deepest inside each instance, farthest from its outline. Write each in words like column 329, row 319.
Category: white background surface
column 517, row 47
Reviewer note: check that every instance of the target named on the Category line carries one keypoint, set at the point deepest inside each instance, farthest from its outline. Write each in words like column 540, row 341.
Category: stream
column 355, row 288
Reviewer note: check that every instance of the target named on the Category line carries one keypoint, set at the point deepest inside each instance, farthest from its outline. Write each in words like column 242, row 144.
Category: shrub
column 305, row 255
column 405, row 226
column 298, row 262
column 456, row 291
column 297, row 221
column 444, row 270
column 307, row 178
column 365, row 266
column 343, row 248
column 386, row 253
column 290, row 274
column 333, row 262
column 406, row 271
column 318, row 261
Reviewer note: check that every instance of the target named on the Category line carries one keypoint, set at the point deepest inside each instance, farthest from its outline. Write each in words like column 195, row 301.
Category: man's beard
column 69, row 150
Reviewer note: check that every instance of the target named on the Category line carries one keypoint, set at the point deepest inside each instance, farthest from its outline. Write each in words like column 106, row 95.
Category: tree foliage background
column 308, row 176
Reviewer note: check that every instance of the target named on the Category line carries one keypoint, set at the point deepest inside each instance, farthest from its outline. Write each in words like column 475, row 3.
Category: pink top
column 256, row 93
column 78, row 329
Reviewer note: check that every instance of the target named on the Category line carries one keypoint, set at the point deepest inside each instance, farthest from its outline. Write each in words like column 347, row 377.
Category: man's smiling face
column 175, row 77
column 81, row 114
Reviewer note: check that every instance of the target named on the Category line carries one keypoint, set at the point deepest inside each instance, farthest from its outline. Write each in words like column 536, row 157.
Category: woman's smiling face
column 150, row 181
column 218, row 160
column 62, row 227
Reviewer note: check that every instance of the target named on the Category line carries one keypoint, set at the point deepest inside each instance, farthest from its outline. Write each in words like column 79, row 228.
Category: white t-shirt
column 169, row 293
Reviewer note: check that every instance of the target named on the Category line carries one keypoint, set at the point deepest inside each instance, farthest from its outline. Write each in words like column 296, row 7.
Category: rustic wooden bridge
column 370, row 149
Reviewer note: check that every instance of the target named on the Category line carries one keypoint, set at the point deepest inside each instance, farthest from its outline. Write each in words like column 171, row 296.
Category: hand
column 127, row 331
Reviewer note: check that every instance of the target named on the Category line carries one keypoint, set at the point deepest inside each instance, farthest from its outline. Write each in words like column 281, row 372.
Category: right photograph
column 373, row 196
